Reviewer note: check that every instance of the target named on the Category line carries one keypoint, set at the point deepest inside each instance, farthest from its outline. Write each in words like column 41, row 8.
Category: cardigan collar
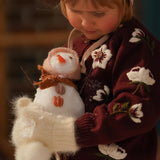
column 74, row 34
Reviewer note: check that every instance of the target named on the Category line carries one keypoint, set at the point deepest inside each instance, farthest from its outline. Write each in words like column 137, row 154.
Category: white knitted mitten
column 33, row 124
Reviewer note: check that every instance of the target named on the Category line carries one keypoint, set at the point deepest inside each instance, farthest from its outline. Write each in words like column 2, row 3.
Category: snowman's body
column 71, row 103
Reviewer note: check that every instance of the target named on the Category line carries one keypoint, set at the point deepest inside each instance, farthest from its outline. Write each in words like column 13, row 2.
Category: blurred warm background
column 28, row 30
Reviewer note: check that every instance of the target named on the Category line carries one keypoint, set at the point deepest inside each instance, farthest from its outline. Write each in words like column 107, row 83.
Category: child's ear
column 63, row 8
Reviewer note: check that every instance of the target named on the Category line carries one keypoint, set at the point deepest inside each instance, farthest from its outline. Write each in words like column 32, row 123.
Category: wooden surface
column 6, row 150
column 8, row 40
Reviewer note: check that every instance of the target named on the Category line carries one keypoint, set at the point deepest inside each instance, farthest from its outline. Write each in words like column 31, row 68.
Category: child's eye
column 76, row 11
column 99, row 14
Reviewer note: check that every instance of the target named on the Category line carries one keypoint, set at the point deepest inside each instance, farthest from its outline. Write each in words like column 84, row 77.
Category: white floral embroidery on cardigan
column 134, row 111
column 139, row 36
column 141, row 76
column 112, row 151
column 102, row 94
column 101, row 56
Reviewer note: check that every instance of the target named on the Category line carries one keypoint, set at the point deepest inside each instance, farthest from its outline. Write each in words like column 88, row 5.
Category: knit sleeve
column 134, row 107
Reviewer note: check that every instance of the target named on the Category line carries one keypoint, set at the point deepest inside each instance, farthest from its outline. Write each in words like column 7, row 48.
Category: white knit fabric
column 37, row 129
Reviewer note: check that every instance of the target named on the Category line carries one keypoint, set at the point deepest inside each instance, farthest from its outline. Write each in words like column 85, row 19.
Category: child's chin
column 93, row 36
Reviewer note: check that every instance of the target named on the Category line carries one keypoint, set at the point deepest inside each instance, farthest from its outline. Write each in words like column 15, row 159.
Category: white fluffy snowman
column 57, row 104
column 59, row 96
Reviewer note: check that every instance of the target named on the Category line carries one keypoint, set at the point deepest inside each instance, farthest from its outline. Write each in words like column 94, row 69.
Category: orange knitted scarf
column 48, row 80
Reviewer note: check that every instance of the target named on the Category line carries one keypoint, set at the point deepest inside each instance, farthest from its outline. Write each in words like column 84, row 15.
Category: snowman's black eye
column 70, row 57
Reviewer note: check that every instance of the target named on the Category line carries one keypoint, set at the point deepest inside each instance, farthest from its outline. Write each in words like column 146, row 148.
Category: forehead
column 95, row 3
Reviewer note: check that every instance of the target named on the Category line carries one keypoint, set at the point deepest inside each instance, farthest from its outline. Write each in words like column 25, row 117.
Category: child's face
column 92, row 21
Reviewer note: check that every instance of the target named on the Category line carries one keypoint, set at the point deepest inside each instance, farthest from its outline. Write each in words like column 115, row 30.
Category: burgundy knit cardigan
column 121, row 90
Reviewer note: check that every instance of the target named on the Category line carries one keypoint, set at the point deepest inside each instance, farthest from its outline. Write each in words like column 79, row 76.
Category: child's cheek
column 74, row 21
column 109, row 27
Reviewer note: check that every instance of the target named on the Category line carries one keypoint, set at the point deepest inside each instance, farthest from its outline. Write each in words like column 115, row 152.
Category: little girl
column 120, row 84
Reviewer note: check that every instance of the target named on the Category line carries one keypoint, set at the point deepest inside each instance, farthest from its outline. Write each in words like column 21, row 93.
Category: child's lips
column 89, row 32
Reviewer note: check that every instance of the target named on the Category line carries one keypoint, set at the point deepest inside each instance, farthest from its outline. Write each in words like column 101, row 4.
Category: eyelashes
column 94, row 13
column 98, row 14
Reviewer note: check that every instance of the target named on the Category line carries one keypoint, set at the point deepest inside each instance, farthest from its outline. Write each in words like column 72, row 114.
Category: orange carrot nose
column 61, row 59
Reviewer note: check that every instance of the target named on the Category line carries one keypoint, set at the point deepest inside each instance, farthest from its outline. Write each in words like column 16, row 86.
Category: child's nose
column 86, row 22
column 61, row 59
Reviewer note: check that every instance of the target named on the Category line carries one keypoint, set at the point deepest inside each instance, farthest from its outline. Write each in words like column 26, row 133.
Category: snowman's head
column 63, row 62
